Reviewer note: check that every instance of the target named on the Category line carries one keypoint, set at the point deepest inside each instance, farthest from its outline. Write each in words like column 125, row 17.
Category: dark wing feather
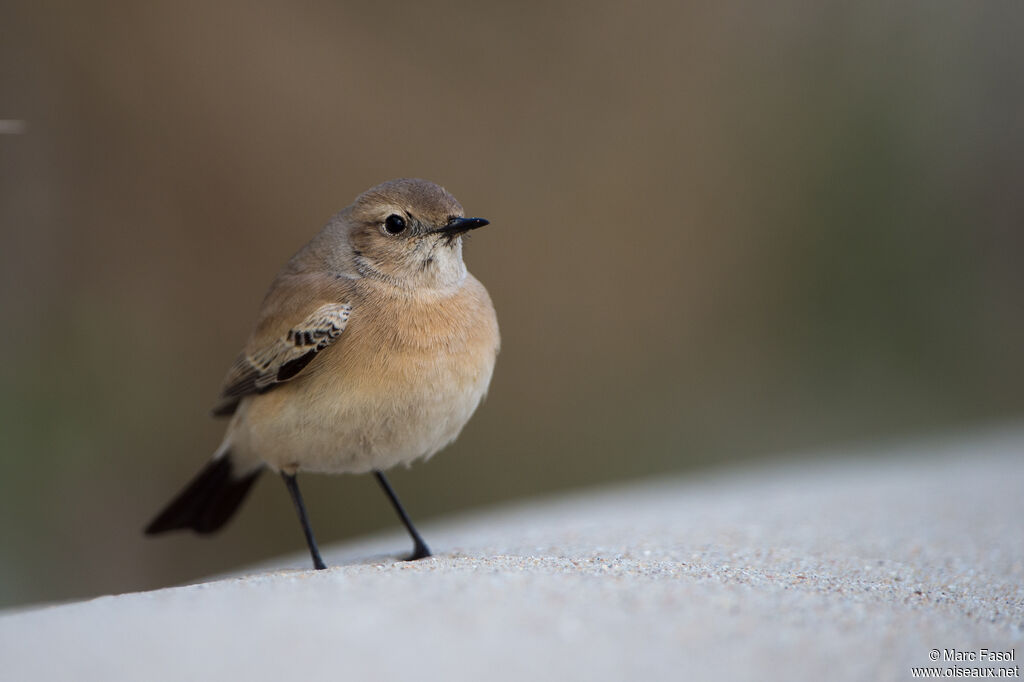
column 283, row 358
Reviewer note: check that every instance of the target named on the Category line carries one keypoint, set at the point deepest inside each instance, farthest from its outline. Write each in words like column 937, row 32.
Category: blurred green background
column 720, row 231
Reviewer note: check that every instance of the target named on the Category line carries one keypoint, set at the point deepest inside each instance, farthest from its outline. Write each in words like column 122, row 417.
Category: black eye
column 394, row 224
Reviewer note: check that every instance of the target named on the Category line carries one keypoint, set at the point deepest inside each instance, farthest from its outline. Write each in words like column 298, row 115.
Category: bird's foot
column 420, row 551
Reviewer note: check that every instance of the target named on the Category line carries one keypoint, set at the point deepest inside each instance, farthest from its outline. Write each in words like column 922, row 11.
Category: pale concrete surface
column 845, row 569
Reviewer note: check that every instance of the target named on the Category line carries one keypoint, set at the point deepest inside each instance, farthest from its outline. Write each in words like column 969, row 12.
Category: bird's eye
column 394, row 224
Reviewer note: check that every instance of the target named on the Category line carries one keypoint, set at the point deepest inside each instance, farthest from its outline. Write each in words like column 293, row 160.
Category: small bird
column 373, row 347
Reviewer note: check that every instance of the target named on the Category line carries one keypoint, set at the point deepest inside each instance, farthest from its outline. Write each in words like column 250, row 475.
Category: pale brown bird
column 373, row 347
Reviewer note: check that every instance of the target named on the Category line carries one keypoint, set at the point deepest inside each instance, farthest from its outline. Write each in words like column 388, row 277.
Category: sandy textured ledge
column 846, row 569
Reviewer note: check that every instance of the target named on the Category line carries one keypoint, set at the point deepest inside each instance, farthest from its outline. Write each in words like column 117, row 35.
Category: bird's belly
column 393, row 410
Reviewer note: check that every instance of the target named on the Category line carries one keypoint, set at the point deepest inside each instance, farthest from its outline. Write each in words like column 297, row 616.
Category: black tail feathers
column 208, row 501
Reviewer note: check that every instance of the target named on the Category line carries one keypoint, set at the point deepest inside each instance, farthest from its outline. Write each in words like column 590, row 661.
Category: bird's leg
column 300, row 508
column 420, row 549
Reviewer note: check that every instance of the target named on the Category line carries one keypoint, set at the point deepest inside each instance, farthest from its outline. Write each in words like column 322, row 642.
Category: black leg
column 293, row 488
column 420, row 549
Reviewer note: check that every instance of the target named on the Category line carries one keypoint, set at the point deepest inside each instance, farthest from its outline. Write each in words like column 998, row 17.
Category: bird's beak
column 457, row 226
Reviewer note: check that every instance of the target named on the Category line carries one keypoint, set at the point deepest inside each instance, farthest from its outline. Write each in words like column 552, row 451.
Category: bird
column 372, row 348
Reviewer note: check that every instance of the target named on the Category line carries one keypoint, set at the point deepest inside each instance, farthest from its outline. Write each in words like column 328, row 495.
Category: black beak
column 457, row 226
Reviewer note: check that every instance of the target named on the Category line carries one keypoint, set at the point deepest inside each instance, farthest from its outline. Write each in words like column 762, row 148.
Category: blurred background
column 721, row 232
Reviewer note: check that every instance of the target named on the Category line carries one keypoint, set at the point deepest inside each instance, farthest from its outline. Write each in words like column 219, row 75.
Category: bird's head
column 409, row 232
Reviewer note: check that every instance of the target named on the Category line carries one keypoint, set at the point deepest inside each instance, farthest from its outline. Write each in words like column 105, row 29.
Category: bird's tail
column 208, row 501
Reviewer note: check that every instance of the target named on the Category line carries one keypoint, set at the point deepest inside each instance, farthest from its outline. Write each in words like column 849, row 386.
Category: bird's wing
column 270, row 359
